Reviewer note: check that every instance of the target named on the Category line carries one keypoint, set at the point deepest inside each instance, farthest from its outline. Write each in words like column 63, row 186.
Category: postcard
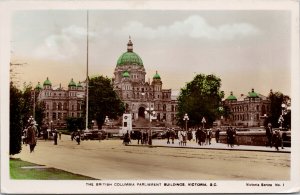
column 158, row 96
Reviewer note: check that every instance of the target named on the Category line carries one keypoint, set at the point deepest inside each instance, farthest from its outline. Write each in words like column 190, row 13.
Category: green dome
column 38, row 86
column 126, row 74
column 79, row 84
column 129, row 58
column 72, row 83
column 156, row 76
column 47, row 82
column 231, row 97
column 252, row 94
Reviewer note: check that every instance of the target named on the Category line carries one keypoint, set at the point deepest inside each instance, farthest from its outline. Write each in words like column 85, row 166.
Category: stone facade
column 61, row 103
column 248, row 110
column 139, row 95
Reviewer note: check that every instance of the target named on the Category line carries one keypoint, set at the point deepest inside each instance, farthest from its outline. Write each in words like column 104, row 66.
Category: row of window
column 63, row 116
column 245, row 117
column 263, row 108
column 63, row 106
column 49, row 94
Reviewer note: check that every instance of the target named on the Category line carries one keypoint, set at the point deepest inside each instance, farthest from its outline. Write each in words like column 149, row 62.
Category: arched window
column 65, row 106
column 59, row 106
column 172, row 107
column 72, row 108
column 164, row 107
column 54, row 106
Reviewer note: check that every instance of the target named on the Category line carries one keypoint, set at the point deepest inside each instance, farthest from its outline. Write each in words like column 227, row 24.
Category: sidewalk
column 213, row 146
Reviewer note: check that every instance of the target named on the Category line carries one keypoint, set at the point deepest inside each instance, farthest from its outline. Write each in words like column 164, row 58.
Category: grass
column 17, row 172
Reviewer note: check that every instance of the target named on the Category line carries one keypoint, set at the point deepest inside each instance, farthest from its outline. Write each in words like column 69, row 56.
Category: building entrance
column 142, row 112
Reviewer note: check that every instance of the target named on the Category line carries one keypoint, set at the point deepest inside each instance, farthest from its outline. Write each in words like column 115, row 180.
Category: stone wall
column 254, row 138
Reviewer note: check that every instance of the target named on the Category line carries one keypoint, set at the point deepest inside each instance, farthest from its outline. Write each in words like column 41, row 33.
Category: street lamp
column 93, row 124
column 51, row 124
column 186, row 118
column 203, row 121
column 151, row 112
column 106, row 120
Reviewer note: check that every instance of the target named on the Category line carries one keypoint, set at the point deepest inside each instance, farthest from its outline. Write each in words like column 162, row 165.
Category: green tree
column 200, row 98
column 15, row 124
column 71, row 123
column 277, row 99
column 103, row 100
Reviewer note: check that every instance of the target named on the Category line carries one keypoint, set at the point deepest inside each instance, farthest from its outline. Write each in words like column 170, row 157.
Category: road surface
column 110, row 160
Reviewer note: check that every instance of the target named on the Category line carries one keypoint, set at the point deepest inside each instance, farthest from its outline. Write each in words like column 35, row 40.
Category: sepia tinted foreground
column 111, row 160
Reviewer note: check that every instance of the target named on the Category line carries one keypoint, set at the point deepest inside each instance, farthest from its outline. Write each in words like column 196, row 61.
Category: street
column 110, row 160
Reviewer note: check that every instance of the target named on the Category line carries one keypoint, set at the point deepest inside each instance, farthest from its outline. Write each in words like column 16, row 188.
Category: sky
column 246, row 49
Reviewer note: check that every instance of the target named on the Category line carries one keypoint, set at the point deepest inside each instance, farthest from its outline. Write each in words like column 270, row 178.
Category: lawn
column 17, row 172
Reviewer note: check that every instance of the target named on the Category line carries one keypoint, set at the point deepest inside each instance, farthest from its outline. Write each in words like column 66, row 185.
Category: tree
column 277, row 99
column 200, row 98
column 15, row 124
column 103, row 100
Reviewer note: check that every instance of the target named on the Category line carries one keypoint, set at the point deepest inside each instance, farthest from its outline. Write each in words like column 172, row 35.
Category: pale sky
column 246, row 49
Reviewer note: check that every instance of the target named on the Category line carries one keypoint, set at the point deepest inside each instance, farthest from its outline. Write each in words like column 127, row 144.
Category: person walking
column 276, row 139
column 184, row 138
column 59, row 134
column 55, row 136
column 31, row 136
column 168, row 136
column 77, row 137
column 126, row 139
column 208, row 136
column 269, row 134
column 217, row 135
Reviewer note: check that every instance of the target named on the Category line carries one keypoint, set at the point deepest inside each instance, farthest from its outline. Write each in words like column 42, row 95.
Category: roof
column 156, row 76
column 129, row 58
column 231, row 97
column 47, row 82
column 72, row 83
column 38, row 86
column 126, row 74
column 252, row 94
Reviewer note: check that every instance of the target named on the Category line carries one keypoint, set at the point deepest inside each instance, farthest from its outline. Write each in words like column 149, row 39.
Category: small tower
column 72, row 85
column 47, row 84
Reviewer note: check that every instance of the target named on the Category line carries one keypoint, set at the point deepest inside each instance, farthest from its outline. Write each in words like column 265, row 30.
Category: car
column 94, row 135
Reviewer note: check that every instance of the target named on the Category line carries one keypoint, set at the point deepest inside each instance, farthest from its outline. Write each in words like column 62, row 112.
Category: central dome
column 129, row 57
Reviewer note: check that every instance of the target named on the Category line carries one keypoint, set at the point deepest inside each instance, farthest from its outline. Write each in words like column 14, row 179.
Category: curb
column 228, row 149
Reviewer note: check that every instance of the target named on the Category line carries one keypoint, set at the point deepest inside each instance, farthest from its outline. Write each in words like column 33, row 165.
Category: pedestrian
column 72, row 135
column 126, row 139
column 217, row 135
column 276, row 139
column 168, row 136
column 202, row 136
column 139, row 136
column 269, row 134
column 31, row 136
column 180, row 138
column 173, row 135
column 228, row 135
column 208, row 136
column 184, row 138
column 198, row 136
column 59, row 134
column 77, row 137
column 55, row 135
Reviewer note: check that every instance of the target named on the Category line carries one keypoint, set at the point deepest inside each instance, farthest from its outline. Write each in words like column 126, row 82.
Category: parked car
column 94, row 135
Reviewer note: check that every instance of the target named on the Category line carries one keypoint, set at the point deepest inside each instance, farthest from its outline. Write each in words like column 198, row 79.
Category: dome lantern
column 129, row 45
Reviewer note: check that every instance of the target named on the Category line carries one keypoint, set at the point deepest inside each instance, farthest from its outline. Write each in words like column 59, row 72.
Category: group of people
column 274, row 138
column 230, row 135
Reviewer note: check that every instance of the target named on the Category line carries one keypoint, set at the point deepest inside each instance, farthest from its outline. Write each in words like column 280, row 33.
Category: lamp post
column 186, row 118
column 203, row 121
column 51, row 124
column 151, row 112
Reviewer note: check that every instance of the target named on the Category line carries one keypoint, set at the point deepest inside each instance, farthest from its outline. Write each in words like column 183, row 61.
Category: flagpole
column 87, row 72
